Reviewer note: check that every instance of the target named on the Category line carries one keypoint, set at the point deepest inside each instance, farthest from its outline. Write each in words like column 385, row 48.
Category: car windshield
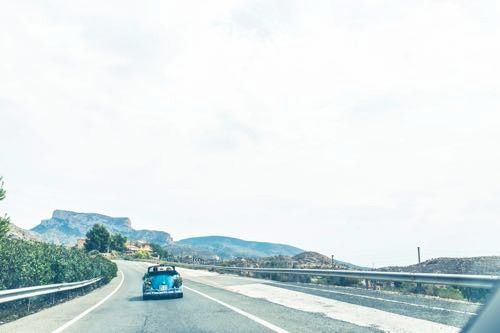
column 152, row 271
column 249, row 165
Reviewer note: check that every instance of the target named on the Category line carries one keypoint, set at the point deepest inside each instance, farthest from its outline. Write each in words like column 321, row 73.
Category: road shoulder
column 52, row 318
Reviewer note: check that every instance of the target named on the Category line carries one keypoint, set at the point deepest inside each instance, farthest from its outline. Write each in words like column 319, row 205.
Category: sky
column 361, row 129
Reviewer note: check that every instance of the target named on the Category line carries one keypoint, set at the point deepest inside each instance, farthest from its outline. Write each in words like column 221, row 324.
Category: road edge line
column 92, row 308
column 241, row 312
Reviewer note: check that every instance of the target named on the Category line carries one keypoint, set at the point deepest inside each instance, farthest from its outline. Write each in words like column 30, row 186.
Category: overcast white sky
column 361, row 129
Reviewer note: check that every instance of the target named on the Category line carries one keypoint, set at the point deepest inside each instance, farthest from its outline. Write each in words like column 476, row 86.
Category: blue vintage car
column 162, row 281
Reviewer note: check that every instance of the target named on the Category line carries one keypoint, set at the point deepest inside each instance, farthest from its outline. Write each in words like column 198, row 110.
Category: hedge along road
column 206, row 307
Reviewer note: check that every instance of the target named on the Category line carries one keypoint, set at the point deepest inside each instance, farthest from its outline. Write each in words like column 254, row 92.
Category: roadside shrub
column 141, row 255
column 339, row 281
column 443, row 292
column 476, row 294
column 28, row 263
column 279, row 277
column 449, row 292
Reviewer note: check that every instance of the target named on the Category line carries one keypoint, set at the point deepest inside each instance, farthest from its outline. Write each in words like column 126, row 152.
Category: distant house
column 135, row 246
column 80, row 243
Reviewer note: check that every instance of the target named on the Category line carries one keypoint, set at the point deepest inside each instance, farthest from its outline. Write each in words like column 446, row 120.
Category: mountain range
column 66, row 227
column 228, row 247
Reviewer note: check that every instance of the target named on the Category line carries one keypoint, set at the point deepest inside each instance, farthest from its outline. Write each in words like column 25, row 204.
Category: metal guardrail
column 460, row 280
column 20, row 293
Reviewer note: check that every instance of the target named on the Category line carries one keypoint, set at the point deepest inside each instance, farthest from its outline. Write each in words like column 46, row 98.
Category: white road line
column 374, row 298
column 86, row 312
column 241, row 312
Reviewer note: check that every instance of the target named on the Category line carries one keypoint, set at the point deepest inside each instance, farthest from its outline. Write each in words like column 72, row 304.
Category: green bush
column 449, row 292
column 280, row 277
column 476, row 294
column 340, row 281
column 28, row 263
column 443, row 292
column 141, row 255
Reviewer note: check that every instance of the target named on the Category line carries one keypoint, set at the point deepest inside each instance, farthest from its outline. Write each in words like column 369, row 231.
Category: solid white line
column 93, row 307
column 241, row 312
column 374, row 298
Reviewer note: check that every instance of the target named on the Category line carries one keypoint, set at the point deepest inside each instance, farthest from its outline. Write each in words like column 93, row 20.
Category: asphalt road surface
column 226, row 303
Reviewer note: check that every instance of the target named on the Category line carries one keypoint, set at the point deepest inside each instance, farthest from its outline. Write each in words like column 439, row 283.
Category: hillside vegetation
column 306, row 259
column 488, row 265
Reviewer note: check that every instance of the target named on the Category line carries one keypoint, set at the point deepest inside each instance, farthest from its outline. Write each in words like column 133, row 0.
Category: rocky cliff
column 65, row 227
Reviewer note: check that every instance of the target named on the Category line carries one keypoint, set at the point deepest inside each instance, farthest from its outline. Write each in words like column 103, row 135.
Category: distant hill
column 471, row 265
column 65, row 227
column 228, row 247
column 20, row 233
column 307, row 260
column 311, row 259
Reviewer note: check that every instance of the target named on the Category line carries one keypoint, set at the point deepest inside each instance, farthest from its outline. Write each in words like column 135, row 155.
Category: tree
column 159, row 250
column 98, row 238
column 4, row 221
column 117, row 243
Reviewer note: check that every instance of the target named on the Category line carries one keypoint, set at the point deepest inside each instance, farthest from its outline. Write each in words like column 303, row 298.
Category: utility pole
column 419, row 285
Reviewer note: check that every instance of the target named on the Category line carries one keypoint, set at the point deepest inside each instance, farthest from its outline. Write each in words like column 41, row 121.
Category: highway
column 227, row 303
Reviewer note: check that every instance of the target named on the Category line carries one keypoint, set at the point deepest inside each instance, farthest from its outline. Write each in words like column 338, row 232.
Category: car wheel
column 145, row 298
column 180, row 295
